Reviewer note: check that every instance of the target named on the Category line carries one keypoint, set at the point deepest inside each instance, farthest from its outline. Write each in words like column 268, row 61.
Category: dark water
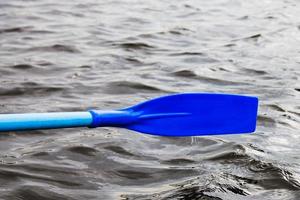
column 77, row 55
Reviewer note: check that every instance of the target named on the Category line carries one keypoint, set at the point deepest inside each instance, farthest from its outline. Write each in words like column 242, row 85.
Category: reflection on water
column 67, row 56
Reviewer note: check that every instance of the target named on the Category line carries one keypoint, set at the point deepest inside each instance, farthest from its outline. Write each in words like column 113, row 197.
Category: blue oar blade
column 195, row 114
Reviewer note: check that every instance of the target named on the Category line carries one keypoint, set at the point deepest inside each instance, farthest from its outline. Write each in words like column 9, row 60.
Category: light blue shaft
column 31, row 121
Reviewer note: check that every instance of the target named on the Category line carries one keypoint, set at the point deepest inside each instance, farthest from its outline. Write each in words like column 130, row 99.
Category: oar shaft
column 32, row 121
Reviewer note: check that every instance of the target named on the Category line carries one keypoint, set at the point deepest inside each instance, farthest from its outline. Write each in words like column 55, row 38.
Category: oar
column 187, row 114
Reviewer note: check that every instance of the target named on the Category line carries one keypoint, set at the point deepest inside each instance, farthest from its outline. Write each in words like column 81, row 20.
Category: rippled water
column 77, row 55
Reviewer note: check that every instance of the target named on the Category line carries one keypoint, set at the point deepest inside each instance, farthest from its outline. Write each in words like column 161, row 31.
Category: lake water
column 78, row 55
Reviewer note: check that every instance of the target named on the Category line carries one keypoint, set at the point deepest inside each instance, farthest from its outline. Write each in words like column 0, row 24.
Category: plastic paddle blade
column 195, row 115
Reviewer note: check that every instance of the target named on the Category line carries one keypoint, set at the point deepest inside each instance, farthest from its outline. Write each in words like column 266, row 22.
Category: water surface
column 78, row 55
